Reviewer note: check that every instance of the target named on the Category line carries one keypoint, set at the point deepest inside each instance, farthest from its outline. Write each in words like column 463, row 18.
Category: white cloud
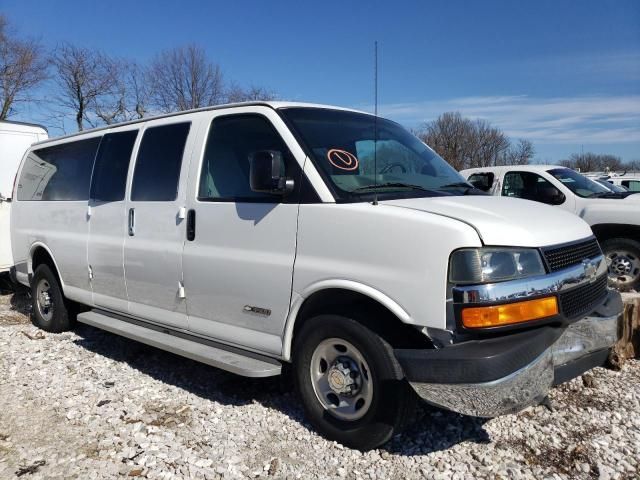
column 601, row 119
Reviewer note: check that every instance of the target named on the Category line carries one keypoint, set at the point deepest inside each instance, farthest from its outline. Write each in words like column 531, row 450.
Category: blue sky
column 564, row 74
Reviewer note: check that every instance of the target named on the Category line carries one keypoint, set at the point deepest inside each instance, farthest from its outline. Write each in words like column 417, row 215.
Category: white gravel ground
column 89, row 405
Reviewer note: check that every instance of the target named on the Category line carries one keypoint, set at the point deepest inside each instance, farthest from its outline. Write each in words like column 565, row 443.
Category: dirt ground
column 88, row 404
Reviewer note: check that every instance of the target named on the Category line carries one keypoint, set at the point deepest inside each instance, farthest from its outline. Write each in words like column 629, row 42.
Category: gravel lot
column 89, row 404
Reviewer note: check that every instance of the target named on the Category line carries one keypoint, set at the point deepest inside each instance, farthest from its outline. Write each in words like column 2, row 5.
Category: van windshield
column 358, row 158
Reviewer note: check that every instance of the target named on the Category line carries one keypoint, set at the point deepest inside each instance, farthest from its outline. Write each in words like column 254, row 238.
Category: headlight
column 486, row 265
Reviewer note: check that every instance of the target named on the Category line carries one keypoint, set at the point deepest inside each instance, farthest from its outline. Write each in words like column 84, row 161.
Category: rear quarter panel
column 62, row 228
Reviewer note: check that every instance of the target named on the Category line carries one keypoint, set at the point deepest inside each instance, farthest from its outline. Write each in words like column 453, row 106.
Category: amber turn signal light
column 498, row 315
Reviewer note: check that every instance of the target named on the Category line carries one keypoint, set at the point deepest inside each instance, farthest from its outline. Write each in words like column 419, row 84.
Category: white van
column 252, row 236
column 15, row 138
column 614, row 216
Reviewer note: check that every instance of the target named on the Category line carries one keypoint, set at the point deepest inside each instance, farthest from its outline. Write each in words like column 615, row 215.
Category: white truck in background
column 613, row 216
column 625, row 181
column 15, row 139
column 630, row 181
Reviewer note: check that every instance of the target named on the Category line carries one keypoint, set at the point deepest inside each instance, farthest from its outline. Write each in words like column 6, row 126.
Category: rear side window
column 157, row 172
column 632, row 185
column 109, row 178
column 61, row 172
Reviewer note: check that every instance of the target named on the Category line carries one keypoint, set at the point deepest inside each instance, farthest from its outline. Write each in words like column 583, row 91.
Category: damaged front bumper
column 487, row 378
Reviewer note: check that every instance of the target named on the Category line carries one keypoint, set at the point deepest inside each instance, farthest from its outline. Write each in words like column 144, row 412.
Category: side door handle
column 132, row 222
column 191, row 225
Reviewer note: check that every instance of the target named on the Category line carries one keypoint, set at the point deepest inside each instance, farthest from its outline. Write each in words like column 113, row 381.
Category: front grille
column 568, row 255
column 581, row 300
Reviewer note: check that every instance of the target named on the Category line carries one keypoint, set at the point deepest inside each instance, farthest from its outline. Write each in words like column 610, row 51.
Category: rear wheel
column 351, row 385
column 623, row 260
column 50, row 311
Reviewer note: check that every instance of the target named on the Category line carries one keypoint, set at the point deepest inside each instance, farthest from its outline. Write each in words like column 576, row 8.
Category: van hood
column 505, row 221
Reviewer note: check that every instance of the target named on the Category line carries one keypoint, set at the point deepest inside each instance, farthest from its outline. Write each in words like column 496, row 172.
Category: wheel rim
column 624, row 267
column 44, row 301
column 341, row 379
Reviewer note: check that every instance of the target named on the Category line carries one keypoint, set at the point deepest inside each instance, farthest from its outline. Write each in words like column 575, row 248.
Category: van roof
column 271, row 104
column 25, row 124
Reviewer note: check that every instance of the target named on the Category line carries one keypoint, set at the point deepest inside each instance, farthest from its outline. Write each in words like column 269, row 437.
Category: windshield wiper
column 457, row 184
column 391, row 185
column 467, row 186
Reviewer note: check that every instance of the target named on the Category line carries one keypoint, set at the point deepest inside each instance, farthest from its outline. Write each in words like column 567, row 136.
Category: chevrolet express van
column 614, row 216
column 254, row 236
column 15, row 138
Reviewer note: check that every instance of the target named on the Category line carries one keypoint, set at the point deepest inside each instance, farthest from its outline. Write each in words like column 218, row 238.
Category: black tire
column 623, row 257
column 50, row 312
column 392, row 403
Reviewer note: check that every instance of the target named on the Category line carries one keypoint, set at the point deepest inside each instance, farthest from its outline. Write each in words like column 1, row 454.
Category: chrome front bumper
column 530, row 384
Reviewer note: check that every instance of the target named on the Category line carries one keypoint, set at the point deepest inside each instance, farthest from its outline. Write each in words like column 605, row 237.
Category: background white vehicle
column 15, row 138
column 602, row 179
column 253, row 235
column 611, row 186
column 630, row 181
column 614, row 217
column 620, row 182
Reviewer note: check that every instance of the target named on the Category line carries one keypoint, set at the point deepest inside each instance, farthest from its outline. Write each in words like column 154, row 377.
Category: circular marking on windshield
column 342, row 159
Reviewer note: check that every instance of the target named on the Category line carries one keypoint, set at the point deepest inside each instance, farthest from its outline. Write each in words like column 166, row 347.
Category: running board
column 227, row 358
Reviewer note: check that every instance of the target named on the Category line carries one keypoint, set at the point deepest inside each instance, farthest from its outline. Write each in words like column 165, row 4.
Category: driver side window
column 225, row 167
column 531, row 186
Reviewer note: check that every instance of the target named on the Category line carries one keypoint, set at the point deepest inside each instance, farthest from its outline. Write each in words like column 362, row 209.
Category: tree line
column 595, row 162
column 95, row 88
column 466, row 143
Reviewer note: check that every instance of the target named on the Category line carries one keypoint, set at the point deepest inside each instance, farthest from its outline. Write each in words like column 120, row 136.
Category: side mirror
column 480, row 184
column 266, row 173
column 551, row 196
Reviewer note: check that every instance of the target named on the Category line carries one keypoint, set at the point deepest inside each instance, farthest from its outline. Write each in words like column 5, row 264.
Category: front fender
column 298, row 300
column 612, row 212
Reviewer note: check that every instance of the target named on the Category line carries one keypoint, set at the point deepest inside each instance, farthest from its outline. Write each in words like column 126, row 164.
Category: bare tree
column 633, row 165
column 236, row 93
column 137, row 91
column 520, row 154
column 110, row 105
column 23, row 66
column 84, row 77
column 485, row 144
column 447, row 135
column 591, row 162
column 184, row 78
column 128, row 97
column 466, row 143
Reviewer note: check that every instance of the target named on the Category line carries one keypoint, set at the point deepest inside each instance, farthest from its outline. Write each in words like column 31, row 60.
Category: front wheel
column 351, row 385
column 623, row 260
